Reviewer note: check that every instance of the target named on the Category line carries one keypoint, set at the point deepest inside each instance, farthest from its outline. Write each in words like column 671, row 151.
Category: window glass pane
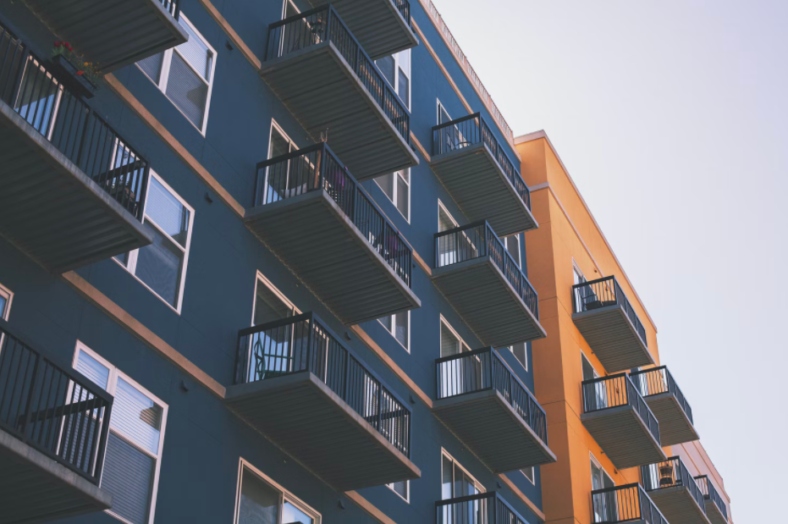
column 293, row 515
column 167, row 211
column 444, row 220
column 529, row 474
column 400, row 488
column 259, row 501
column 280, row 145
column 93, row 369
column 159, row 266
column 450, row 344
column 446, row 474
column 268, row 306
column 520, row 351
column 187, row 90
column 387, row 67
column 290, row 9
column 403, row 89
column 3, row 304
column 136, row 416
column 443, row 115
column 403, row 190
column 588, row 370
column 513, row 247
column 128, row 477
column 152, row 66
column 196, row 52
column 401, row 328
column 386, row 183
column 37, row 98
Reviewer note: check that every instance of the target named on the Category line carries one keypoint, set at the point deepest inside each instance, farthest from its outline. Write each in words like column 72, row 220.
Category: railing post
column 346, row 398
column 309, row 336
column 83, row 139
column 380, row 405
column 103, row 441
column 19, row 74
column 28, row 404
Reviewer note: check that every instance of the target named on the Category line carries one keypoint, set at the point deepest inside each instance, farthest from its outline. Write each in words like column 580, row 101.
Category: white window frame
column 397, row 57
column 131, row 263
column 261, row 279
column 406, row 498
column 279, row 129
column 438, row 108
column 532, row 478
column 516, row 237
column 478, row 485
column 284, row 8
column 441, row 206
column 392, row 327
column 112, row 382
column 404, row 174
column 527, row 360
column 285, row 495
column 9, row 298
column 598, row 464
column 164, row 75
column 464, row 347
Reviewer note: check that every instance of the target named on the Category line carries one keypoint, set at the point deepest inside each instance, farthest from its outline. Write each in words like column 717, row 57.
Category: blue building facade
column 255, row 274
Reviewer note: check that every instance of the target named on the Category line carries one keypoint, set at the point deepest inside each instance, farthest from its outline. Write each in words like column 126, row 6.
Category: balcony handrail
column 403, row 6
column 44, row 100
column 614, row 391
column 491, row 507
column 478, row 240
column 173, row 7
column 471, row 130
column 58, row 411
column 592, row 294
column 708, row 491
column 484, row 370
column 658, row 380
column 317, row 167
column 623, row 504
column 321, row 25
column 670, row 473
column 303, row 343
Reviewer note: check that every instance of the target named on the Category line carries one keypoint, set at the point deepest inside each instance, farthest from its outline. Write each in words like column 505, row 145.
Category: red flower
column 80, row 73
column 68, row 46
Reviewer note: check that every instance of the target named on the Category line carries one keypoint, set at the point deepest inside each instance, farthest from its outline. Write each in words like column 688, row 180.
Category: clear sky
column 672, row 118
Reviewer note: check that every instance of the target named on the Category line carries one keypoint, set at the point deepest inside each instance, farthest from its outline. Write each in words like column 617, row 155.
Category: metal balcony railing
column 484, row 508
column 47, row 104
column 604, row 292
column 710, row 492
column 318, row 168
column 470, row 130
column 669, row 474
column 659, row 380
column 482, row 370
column 614, row 391
column 403, row 6
column 623, row 504
column 478, row 240
column 322, row 25
column 173, row 7
column 303, row 344
column 59, row 412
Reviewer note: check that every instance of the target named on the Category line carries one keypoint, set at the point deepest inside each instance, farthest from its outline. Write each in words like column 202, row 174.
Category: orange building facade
column 619, row 424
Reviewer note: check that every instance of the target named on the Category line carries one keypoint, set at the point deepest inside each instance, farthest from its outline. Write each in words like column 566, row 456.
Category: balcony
column 610, row 325
column 113, row 33
column 333, row 88
column 630, row 504
column 481, row 178
column 298, row 385
column 485, row 285
column 674, row 491
column 668, row 404
column 621, row 422
column 483, row 508
column 484, row 403
column 53, row 434
column 71, row 189
column 716, row 510
column 381, row 26
column 313, row 214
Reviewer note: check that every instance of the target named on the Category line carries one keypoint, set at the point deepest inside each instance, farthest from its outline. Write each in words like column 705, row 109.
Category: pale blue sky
column 672, row 118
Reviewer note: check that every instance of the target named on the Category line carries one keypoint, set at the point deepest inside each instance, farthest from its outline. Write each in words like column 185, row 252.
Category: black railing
column 605, row 292
column 324, row 25
column 484, row 508
column 303, row 344
column 623, row 504
column 46, row 103
column 403, row 6
column 708, row 491
column 482, row 370
column 59, row 412
column 469, row 131
column 173, row 7
column 478, row 240
column 659, row 380
column 614, row 391
column 318, row 168
column 670, row 473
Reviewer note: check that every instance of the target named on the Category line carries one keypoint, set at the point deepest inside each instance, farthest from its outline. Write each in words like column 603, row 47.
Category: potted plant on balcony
column 71, row 68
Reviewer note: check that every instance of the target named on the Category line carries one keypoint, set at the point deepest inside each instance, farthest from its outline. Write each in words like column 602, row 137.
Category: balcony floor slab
column 623, row 436
column 613, row 338
column 677, row 505
column 675, row 426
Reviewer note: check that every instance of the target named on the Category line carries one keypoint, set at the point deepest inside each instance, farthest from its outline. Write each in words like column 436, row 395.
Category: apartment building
column 263, row 262
column 619, row 424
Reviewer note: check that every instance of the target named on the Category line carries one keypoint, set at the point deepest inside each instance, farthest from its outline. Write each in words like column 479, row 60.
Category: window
column 451, row 342
column 605, row 509
column 5, row 302
column 530, row 474
column 399, row 327
column 445, row 220
column 443, row 115
column 512, row 245
column 260, row 500
column 289, row 9
column 401, row 488
column 455, row 480
column 520, row 352
column 135, row 441
column 161, row 266
column 185, row 75
column 270, row 304
column 397, row 188
column 458, row 375
column 396, row 69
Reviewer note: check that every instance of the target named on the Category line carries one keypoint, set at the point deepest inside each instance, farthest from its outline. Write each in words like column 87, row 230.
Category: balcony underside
column 677, row 505
column 36, row 488
column 324, row 94
column 494, row 431
column 674, row 425
column 50, row 209
column 481, row 189
column 713, row 513
column 623, row 436
column 613, row 338
column 317, row 241
column 111, row 33
column 318, row 429
column 377, row 24
column 487, row 302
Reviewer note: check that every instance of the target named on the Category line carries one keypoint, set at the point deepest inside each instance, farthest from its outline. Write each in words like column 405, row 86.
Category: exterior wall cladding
column 186, row 360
